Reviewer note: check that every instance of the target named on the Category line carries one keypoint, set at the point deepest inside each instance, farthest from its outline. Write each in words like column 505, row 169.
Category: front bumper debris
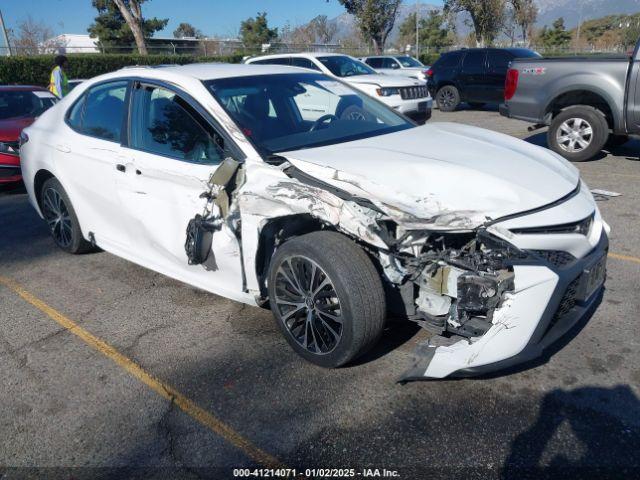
column 545, row 304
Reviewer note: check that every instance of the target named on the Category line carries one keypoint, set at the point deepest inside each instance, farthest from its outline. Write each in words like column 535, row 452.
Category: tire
column 576, row 120
column 476, row 105
column 448, row 98
column 61, row 218
column 354, row 294
column 616, row 141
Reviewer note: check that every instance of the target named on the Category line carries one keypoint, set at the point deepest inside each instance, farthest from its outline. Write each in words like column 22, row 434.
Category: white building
column 71, row 43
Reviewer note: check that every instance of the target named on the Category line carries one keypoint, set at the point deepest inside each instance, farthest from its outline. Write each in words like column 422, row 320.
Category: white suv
column 403, row 65
column 212, row 175
column 404, row 94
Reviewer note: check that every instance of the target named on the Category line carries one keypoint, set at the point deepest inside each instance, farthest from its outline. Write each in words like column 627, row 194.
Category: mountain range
column 573, row 11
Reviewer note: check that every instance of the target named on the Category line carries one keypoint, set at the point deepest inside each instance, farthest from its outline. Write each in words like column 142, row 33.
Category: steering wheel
column 328, row 117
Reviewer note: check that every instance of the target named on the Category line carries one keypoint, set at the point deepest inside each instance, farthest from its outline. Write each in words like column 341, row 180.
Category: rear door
column 498, row 64
column 89, row 160
column 473, row 76
column 173, row 149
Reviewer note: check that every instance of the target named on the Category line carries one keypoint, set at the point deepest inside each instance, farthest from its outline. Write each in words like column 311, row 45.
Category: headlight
column 387, row 91
column 10, row 148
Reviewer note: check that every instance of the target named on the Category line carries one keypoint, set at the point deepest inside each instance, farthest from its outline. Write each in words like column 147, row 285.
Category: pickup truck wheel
column 61, row 218
column 448, row 98
column 327, row 298
column 578, row 133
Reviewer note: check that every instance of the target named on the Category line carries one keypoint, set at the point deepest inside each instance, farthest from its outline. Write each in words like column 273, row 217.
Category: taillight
column 511, row 84
column 428, row 73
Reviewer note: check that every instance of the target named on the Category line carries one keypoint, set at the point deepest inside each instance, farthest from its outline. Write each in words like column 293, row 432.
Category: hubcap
column 308, row 305
column 57, row 216
column 446, row 97
column 574, row 135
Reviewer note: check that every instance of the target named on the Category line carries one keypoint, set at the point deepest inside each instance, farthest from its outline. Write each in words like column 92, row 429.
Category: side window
column 449, row 60
column 104, row 110
column 74, row 117
column 374, row 62
column 389, row 63
column 163, row 123
column 474, row 61
column 304, row 63
column 499, row 60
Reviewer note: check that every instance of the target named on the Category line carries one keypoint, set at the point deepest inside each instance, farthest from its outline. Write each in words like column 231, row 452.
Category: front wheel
column 448, row 98
column 327, row 298
column 61, row 218
column 578, row 133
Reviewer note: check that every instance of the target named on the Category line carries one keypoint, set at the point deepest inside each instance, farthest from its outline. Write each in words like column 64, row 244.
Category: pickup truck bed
column 586, row 101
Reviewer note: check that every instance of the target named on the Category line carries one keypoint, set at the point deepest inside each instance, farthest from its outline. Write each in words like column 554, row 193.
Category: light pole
column 417, row 34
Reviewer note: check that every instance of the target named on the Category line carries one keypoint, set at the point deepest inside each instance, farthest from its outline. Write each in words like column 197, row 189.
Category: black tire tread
column 357, row 273
column 78, row 245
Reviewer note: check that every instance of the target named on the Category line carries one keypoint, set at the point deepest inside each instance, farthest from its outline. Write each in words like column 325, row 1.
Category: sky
column 221, row 17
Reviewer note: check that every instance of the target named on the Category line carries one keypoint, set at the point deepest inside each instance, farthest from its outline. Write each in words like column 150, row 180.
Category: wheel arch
column 39, row 180
column 583, row 96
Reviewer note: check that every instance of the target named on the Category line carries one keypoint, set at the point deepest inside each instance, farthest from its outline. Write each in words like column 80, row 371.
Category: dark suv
column 476, row 76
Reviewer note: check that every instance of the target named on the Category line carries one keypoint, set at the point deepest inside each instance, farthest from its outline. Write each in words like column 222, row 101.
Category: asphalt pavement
column 110, row 370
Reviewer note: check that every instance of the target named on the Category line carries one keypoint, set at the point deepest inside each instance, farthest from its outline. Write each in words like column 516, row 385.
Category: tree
column 30, row 37
column 525, row 14
column 556, row 37
column 432, row 31
column 322, row 29
column 255, row 32
column 487, row 17
column 375, row 19
column 186, row 30
column 120, row 22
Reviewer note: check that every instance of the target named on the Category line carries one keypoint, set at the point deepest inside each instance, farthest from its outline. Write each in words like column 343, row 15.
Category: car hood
column 443, row 175
column 10, row 129
column 382, row 80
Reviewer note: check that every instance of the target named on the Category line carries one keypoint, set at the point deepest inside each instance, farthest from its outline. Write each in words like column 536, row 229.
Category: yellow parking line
column 161, row 388
column 627, row 258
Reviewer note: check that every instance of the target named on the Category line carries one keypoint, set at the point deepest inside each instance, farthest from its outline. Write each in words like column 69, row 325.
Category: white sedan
column 213, row 175
column 406, row 95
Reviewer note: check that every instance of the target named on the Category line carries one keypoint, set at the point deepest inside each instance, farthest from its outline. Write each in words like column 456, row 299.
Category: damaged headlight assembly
column 458, row 279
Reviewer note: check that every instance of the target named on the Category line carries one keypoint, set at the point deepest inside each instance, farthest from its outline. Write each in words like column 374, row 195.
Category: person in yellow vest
column 58, row 81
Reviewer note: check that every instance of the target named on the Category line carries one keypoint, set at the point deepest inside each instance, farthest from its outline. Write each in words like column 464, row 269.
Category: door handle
column 121, row 168
column 63, row 148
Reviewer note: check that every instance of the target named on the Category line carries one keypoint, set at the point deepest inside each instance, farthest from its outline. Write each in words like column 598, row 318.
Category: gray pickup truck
column 586, row 102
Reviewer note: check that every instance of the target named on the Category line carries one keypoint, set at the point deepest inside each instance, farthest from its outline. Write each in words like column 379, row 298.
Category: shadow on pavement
column 608, row 448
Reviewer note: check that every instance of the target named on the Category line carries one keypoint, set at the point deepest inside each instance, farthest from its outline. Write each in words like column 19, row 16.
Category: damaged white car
column 213, row 175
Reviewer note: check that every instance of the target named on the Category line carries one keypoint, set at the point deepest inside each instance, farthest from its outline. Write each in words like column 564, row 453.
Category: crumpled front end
column 492, row 292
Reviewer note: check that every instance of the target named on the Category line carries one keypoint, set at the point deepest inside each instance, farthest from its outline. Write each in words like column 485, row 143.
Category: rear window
column 24, row 103
column 449, row 60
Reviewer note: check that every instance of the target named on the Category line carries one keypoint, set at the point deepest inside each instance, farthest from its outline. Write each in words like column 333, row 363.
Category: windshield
column 294, row 111
column 409, row 62
column 24, row 103
column 343, row 66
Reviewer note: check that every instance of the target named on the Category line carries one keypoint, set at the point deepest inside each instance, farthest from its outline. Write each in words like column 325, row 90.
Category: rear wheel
column 327, row 298
column 448, row 98
column 578, row 133
column 61, row 218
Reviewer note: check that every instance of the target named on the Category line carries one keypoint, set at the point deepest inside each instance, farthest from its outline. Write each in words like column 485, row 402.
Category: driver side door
column 173, row 148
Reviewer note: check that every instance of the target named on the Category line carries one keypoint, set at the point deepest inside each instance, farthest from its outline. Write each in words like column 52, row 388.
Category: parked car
column 588, row 103
column 494, row 245
column 476, row 76
column 19, row 107
column 404, row 65
column 406, row 95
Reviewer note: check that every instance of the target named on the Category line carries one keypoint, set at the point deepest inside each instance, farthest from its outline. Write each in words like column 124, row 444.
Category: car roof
column 21, row 88
column 300, row 55
column 203, row 71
